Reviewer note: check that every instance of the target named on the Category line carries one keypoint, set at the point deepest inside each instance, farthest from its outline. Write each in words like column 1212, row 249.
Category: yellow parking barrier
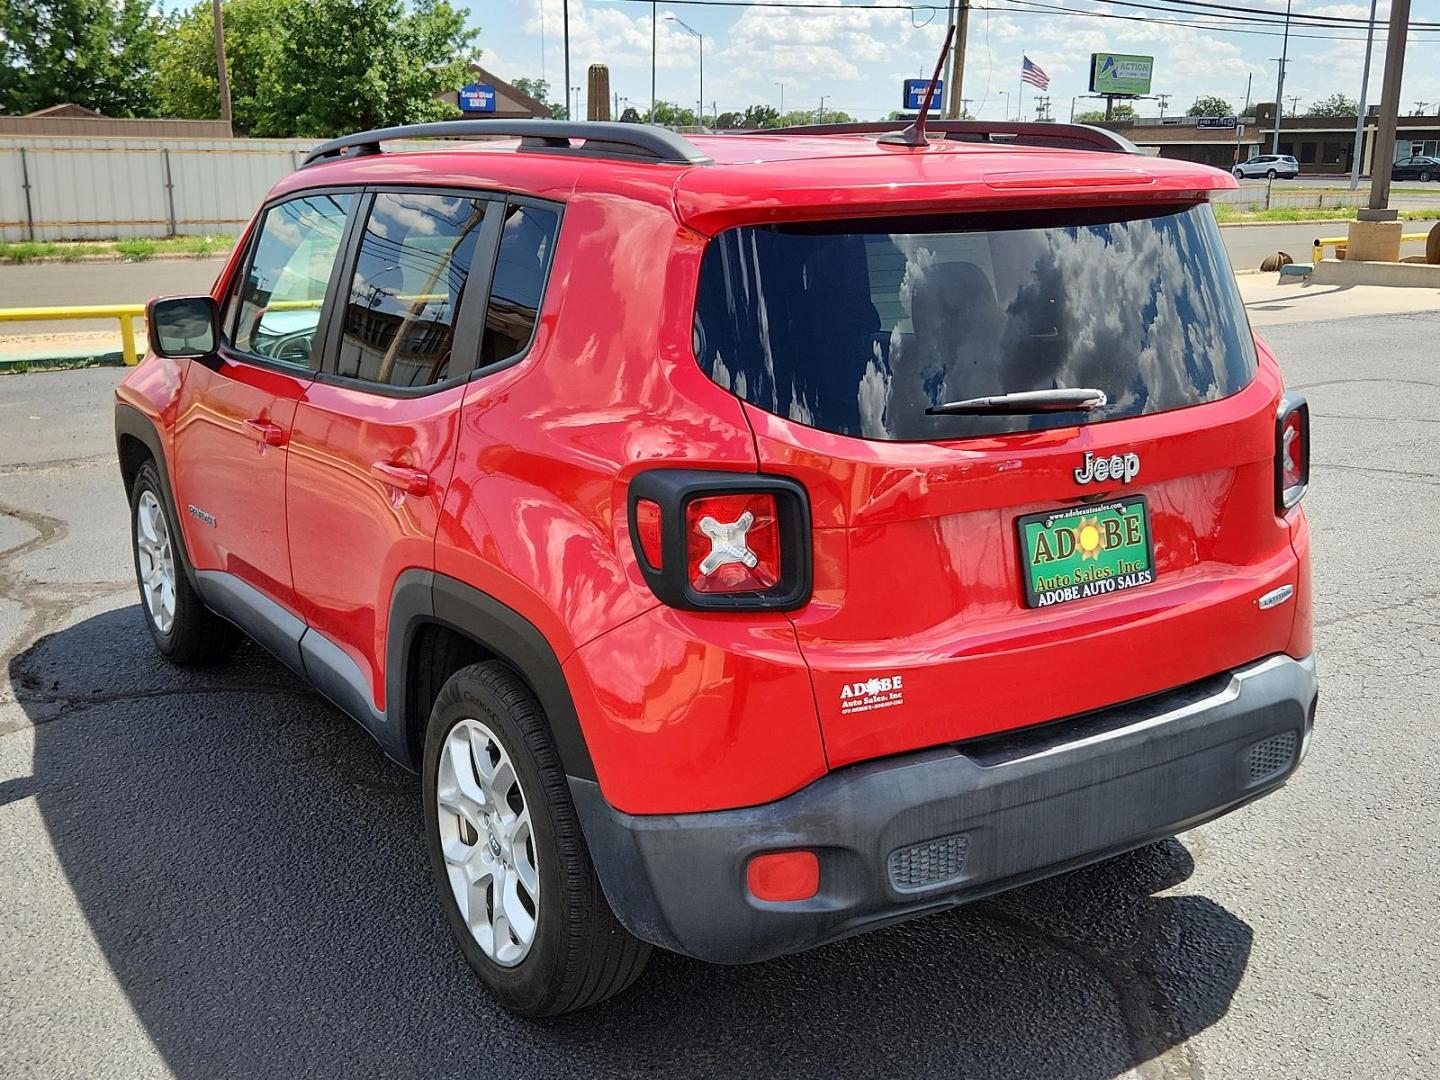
column 1317, row 250
column 124, row 312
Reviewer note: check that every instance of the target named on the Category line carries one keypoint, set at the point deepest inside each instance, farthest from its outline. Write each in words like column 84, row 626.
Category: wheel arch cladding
column 137, row 440
column 423, row 603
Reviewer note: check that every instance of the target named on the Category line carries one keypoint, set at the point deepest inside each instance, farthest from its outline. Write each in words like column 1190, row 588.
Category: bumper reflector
column 781, row 876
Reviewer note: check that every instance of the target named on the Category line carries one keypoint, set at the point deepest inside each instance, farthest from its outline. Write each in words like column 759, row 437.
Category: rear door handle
column 402, row 477
column 268, row 433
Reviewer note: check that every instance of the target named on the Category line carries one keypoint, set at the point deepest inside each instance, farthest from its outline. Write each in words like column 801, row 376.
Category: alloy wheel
column 156, row 560
column 488, row 843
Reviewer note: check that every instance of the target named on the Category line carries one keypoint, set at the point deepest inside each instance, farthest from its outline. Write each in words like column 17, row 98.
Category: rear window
column 857, row 327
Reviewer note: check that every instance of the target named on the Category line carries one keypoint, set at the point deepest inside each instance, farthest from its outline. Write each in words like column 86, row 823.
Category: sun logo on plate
column 1089, row 540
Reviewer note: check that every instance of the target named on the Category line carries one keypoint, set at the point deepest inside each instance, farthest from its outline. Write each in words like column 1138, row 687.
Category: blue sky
column 857, row 57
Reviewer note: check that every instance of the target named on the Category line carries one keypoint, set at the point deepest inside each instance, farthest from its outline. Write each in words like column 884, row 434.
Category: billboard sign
column 1226, row 123
column 915, row 94
column 1120, row 74
column 477, row 98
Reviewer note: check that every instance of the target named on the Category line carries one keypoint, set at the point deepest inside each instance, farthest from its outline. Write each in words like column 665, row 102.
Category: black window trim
column 228, row 350
column 469, row 317
column 474, row 304
column 558, row 209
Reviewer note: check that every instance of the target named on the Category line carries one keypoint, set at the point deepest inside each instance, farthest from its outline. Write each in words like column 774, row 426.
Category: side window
column 527, row 244
column 278, row 303
column 399, row 321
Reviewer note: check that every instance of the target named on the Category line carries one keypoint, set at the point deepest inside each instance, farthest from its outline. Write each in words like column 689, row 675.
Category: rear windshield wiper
column 1025, row 401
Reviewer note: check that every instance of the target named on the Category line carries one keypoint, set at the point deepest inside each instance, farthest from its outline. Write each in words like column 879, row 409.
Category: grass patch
column 134, row 250
column 1228, row 215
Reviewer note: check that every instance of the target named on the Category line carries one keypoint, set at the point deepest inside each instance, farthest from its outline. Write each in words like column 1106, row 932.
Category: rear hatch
column 975, row 573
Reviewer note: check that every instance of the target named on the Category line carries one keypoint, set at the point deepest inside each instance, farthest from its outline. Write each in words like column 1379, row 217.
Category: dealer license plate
column 1086, row 551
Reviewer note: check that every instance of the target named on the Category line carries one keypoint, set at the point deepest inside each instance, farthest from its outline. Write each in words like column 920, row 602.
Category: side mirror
column 183, row 327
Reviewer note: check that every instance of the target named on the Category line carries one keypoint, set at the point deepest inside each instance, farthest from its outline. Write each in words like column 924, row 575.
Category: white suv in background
column 1268, row 166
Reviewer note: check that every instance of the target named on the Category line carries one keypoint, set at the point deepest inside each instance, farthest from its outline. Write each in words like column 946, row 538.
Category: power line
column 1033, row 7
column 1240, row 13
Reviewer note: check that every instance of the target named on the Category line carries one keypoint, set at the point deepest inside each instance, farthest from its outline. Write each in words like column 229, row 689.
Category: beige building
column 76, row 121
column 510, row 103
column 1321, row 144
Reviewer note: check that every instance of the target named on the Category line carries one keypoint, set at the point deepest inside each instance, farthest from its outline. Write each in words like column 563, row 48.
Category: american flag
column 1033, row 73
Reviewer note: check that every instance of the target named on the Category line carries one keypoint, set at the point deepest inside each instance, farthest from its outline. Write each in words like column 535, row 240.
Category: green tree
column 668, row 114
column 812, row 116
column 631, row 115
column 1097, row 116
column 95, row 53
column 1210, row 106
column 539, row 89
column 355, row 64
column 760, row 116
column 185, row 81
column 1334, row 105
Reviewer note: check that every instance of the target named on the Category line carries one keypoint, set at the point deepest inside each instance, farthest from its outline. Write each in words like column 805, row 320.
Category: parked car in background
column 1418, row 167
column 1268, row 167
column 751, row 539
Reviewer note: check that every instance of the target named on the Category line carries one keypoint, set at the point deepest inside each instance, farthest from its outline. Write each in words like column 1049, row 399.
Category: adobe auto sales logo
column 872, row 694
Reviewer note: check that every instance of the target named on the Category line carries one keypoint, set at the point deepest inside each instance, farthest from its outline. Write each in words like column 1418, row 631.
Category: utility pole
column 957, row 60
column 653, row 24
column 781, row 85
column 1164, row 101
column 821, row 120
column 222, row 75
column 568, row 114
column 1284, row 58
column 1420, row 107
column 1389, row 112
column 965, row 106
column 1293, row 98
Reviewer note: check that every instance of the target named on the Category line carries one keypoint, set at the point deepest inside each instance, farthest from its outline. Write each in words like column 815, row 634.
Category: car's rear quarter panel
column 678, row 712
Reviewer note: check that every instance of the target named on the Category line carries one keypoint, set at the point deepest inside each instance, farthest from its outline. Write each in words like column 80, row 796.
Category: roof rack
column 1062, row 136
column 632, row 142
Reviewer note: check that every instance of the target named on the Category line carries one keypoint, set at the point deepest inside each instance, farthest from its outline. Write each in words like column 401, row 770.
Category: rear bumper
column 903, row 836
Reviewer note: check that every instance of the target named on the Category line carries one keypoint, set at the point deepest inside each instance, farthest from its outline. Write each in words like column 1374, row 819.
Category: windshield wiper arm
column 1024, row 401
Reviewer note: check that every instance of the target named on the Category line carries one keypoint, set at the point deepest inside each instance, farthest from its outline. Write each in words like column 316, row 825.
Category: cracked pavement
column 215, row 874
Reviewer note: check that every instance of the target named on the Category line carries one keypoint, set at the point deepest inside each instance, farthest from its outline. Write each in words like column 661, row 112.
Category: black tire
column 1271, row 174
column 580, row 954
column 1238, row 173
column 196, row 635
column 1425, row 177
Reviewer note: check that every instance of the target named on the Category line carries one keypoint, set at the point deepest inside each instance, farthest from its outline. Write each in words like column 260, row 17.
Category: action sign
column 1228, row 123
column 1121, row 74
column 477, row 97
column 915, row 94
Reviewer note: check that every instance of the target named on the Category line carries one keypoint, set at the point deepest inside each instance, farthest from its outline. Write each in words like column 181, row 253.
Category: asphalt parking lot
column 215, row 874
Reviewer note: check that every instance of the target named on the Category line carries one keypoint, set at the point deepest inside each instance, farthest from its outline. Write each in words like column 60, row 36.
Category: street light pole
column 700, row 112
column 653, row 26
column 781, row 85
column 565, row 7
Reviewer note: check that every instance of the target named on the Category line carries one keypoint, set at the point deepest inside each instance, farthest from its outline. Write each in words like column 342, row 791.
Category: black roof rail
column 1060, row 136
column 632, row 142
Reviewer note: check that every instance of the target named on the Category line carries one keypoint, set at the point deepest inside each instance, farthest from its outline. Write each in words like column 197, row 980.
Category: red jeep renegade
column 752, row 539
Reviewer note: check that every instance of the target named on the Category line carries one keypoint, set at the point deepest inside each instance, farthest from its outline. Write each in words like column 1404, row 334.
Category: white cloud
column 857, row 57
